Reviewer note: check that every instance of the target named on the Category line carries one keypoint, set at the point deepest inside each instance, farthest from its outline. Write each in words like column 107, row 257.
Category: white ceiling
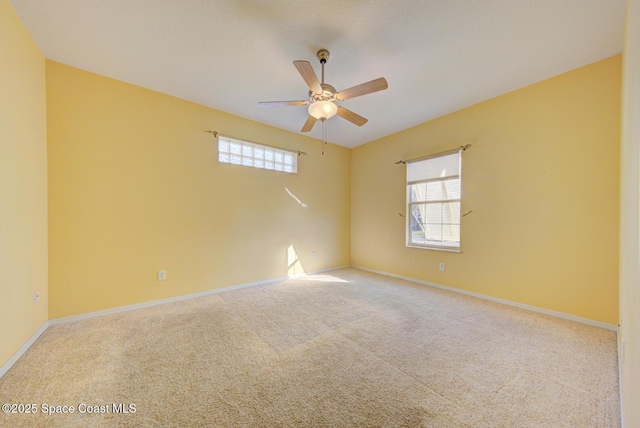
column 437, row 55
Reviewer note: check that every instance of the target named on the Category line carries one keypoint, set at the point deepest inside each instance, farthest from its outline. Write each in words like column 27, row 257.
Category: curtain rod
column 216, row 134
column 461, row 148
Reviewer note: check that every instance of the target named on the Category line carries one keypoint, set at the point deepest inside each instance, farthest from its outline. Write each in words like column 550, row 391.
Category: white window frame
column 246, row 153
column 448, row 183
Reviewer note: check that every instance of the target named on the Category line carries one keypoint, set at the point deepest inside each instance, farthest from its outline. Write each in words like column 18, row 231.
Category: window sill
column 445, row 249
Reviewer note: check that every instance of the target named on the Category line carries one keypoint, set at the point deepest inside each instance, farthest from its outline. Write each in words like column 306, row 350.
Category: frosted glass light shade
column 323, row 109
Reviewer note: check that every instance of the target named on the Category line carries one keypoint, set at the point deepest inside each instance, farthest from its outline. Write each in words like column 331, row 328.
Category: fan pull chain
column 324, row 134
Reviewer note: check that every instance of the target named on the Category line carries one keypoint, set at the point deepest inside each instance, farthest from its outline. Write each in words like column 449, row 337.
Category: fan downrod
column 323, row 56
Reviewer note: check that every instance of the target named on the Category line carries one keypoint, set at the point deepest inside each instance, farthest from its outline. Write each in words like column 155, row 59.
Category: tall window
column 433, row 199
column 244, row 153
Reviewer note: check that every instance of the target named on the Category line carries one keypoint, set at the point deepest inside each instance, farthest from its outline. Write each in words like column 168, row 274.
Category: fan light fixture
column 323, row 110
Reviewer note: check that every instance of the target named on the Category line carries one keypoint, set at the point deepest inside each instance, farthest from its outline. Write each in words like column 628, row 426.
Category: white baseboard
column 621, row 351
column 557, row 314
column 151, row 303
column 316, row 272
column 20, row 352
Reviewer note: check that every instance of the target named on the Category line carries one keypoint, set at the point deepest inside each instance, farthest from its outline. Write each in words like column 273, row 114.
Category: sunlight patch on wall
column 294, row 267
column 302, row 204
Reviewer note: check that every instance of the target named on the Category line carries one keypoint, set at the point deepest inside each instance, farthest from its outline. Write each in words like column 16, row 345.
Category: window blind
column 434, row 167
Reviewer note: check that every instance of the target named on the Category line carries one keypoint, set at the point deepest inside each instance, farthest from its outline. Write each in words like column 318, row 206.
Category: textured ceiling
column 437, row 55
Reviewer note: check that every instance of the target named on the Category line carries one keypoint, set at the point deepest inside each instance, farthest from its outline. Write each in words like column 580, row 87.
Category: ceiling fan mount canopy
column 323, row 56
column 323, row 97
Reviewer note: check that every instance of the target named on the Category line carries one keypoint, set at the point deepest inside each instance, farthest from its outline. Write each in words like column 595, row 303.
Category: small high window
column 238, row 152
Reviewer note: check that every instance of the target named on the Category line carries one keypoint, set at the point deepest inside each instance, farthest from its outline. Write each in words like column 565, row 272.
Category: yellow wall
column 135, row 187
column 23, row 185
column 630, row 220
column 542, row 181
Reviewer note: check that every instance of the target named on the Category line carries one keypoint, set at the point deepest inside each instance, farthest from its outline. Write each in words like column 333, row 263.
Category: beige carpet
column 345, row 349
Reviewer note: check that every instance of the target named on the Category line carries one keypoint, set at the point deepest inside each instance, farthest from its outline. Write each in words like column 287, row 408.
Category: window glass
column 244, row 153
column 433, row 202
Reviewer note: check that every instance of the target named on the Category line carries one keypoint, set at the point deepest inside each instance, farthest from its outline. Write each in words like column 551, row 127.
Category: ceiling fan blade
column 363, row 89
column 351, row 116
column 308, row 125
column 282, row 103
column 306, row 71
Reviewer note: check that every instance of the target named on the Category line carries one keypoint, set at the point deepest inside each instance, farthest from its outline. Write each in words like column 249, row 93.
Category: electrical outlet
column 313, row 254
column 162, row 275
column 36, row 296
column 442, row 266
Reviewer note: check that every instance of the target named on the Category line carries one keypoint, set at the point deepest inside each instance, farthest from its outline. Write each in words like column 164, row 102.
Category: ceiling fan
column 323, row 97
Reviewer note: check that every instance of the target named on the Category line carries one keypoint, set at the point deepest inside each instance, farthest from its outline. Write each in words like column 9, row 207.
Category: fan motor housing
column 328, row 94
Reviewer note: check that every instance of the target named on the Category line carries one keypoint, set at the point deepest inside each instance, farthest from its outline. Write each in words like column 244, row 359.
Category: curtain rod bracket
column 215, row 133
